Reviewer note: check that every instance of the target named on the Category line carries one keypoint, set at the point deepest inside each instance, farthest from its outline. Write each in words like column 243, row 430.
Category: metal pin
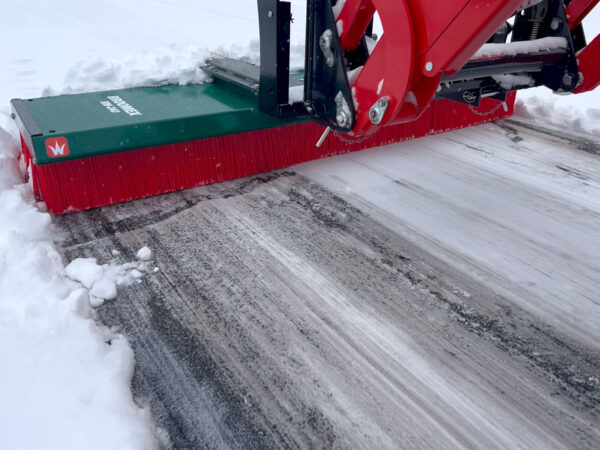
column 323, row 137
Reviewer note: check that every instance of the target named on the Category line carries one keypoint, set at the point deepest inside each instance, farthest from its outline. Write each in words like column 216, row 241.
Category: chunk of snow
column 144, row 254
column 104, row 288
column 380, row 86
column 136, row 274
column 340, row 27
column 296, row 94
column 511, row 81
column 85, row 270
column 102, row 281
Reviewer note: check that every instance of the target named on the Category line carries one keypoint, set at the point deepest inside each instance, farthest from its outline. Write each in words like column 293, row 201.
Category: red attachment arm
column 422, row 39
column 577, row 10
column 589, row 66
column 589, row 58
column 469, row 30
column 389, row 68
column 353, row 21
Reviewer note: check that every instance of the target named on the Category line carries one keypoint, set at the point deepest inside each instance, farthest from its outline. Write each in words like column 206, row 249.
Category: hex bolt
column 567, row 80
column 341, row 119
column 429, row 66
column 378, row 110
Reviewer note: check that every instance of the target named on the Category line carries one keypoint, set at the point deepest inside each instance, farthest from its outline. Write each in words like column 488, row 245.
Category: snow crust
column 520, row 48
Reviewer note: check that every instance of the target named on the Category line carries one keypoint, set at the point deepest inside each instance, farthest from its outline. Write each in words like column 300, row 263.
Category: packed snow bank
column 64, row 381
column 161, row 66
column 577, row 114
column 172, row 65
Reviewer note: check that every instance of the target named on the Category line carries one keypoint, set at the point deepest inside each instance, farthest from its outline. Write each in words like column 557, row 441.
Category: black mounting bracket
column 549, row 19
column 274, row 18
column 327, row 93
column 556, row 69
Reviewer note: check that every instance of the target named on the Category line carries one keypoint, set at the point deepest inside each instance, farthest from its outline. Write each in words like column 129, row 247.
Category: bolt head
column 567, row 80
column 341, row 119
column 555, row 24
column 270, row 14
column 374, row 116
column 383, row 102
column 429, row 66
column 325, row 42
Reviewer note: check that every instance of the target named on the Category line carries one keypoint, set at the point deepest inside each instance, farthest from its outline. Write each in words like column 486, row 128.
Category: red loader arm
column 424, row 41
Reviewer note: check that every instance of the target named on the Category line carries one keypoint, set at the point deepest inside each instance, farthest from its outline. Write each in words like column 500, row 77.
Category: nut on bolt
column 567, row 80
column 342, row 119
column 378, row 110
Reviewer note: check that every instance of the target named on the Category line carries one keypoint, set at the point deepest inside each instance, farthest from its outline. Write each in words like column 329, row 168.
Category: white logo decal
column 57, row 149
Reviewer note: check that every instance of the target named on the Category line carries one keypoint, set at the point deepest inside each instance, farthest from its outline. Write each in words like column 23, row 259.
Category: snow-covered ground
column 64, row 381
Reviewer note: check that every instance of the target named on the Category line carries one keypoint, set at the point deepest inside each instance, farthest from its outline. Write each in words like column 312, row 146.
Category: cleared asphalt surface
column 305, row 309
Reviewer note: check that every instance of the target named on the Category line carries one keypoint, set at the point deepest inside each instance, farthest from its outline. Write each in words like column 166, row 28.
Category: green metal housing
column 100, row 123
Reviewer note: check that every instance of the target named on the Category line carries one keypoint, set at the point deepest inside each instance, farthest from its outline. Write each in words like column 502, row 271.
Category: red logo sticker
column 57, row 147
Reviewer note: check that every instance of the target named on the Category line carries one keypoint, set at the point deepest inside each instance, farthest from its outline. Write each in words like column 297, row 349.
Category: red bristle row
column 103, row 180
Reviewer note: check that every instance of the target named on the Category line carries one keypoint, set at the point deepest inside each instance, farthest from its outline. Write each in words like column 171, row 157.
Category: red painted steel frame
column 105, row 180
column 589, row 58
column 589, row 66
column 421, row 41
column 577, row 10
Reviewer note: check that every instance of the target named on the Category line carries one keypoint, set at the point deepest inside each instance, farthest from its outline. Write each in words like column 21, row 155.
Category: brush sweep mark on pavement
column 289, row 314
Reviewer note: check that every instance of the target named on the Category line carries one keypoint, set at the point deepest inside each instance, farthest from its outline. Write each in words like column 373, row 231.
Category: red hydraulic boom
column 458, row 49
